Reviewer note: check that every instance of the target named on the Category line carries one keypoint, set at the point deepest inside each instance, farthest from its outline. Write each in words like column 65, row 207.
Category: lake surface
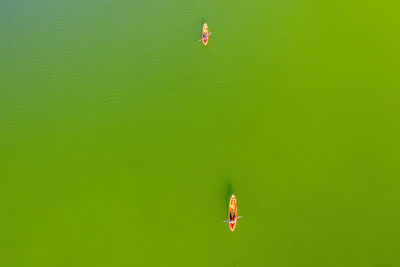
column 122, row 137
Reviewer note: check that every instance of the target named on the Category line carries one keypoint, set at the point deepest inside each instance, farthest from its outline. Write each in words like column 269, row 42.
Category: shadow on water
column 227, row 194
column 203, row 20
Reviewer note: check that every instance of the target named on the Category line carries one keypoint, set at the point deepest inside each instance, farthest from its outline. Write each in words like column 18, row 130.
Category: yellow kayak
column 232, row 214
column 205, row 34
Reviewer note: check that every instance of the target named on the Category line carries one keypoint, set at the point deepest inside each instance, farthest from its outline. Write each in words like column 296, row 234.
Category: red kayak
column 205, row 34
column 232, row 214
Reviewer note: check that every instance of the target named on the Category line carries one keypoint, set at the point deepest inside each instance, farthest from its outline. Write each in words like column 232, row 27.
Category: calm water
column 122, row 137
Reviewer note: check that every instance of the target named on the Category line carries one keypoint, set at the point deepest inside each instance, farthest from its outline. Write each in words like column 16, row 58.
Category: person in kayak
column 232, row 217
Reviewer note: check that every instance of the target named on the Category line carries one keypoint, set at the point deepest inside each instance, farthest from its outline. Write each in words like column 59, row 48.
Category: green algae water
column 122, row 137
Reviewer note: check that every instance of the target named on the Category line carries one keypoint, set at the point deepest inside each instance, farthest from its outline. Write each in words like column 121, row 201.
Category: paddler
column 232, row 217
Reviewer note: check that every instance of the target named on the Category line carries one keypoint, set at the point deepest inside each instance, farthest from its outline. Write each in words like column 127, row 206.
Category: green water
column 122, row 137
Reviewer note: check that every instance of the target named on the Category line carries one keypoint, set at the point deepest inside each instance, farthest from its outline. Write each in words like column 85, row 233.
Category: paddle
column 235, row 220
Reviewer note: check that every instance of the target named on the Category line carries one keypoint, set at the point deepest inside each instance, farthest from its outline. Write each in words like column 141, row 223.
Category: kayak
column 205, row 34
column 232, row 214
